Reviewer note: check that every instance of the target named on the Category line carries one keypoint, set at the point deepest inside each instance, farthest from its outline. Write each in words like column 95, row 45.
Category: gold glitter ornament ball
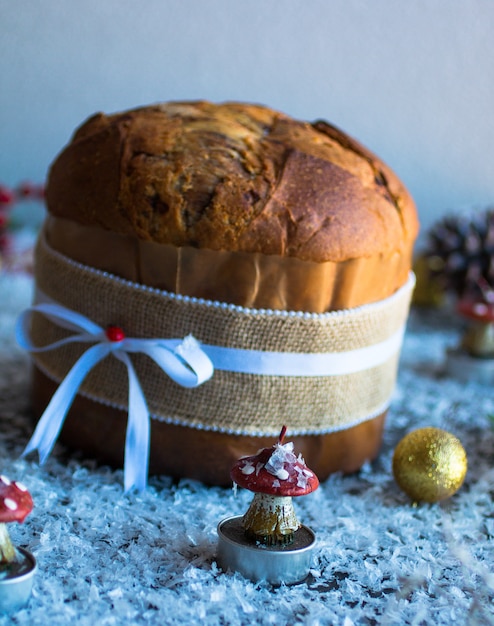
column 429, row 464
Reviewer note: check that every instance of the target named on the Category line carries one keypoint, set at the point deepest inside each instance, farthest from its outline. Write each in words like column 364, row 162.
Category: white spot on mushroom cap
column 248, row 469
column 479, row 308
column 11, row 504
column 20, row 486
column 5, row 480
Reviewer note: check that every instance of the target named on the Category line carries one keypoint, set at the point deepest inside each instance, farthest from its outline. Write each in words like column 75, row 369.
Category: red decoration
column 24, row 191
column 11, row 257
column 6, row 196
column 115, row 333
column 29, row 190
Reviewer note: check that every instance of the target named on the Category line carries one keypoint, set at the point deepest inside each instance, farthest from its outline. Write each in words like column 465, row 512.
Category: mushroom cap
column 477, row 310
column 15, row 501
column 479, row 304
column 275, row 471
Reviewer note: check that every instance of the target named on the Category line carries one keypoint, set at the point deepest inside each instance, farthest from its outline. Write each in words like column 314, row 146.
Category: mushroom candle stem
column 8, row 553
column 479, row 312
column 271, row 519
column 478, row 340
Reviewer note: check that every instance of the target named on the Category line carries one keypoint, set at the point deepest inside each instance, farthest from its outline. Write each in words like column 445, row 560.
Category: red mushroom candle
column 479, row 313
column 275, row 475
column 15, row 504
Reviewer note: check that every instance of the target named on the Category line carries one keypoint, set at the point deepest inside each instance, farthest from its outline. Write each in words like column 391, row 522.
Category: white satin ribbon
column 182, row 360
column 304, row 363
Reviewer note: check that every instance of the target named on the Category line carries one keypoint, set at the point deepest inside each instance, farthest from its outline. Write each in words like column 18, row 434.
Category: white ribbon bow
column 182, row 360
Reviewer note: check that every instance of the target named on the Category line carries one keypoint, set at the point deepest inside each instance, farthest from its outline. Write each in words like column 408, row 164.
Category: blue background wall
column 414, row 81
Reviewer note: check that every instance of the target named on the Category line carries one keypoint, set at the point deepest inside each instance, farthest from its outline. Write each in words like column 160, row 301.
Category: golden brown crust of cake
column 233, row 177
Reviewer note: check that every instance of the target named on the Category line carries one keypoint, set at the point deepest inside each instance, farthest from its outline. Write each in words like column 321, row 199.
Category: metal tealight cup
column 277, row 565
column 15, row 590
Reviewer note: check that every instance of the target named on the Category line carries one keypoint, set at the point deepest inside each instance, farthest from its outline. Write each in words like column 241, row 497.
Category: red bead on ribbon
column 114, row 333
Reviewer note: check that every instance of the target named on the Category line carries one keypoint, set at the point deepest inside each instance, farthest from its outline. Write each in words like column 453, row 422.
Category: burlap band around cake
column 230, row 402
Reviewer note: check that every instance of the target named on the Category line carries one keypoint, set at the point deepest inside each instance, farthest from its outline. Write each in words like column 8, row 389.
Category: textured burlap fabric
column 229, row 402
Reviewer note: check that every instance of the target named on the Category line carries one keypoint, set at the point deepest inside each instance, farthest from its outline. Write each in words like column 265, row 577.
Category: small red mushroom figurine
column 274, row 474
column 15, row 504
column 479, row 313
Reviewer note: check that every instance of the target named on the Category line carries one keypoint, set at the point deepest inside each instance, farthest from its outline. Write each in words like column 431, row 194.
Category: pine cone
column 460, row 252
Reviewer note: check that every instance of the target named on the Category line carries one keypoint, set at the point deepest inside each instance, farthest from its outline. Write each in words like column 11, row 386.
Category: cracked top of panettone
column 235, row 177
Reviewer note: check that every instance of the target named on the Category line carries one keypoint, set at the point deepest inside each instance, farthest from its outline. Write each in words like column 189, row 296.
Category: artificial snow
column 113, row 559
